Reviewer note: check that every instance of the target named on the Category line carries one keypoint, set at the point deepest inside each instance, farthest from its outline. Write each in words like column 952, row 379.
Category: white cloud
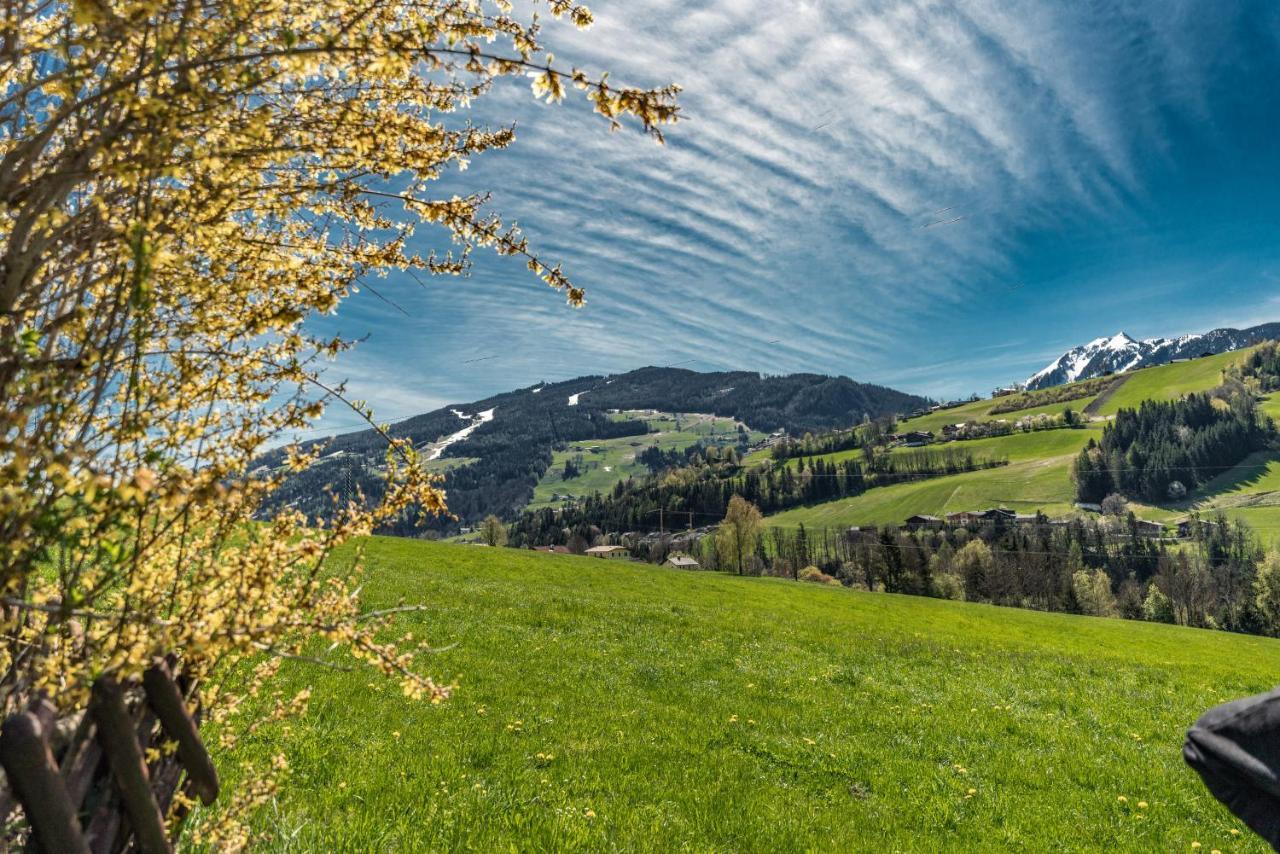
column 821, row 139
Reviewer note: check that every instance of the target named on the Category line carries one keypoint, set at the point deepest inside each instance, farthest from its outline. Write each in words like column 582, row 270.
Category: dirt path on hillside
column 1099, row 401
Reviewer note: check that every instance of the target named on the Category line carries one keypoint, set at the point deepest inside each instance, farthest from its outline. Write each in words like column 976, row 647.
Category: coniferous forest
column 1164, row 450
column 701, row 491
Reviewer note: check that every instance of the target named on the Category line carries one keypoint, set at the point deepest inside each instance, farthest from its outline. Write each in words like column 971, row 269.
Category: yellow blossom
column 163, row 271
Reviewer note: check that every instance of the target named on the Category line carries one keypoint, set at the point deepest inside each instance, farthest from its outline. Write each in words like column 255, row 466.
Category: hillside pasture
column 604, row 462
column 1170, row 382
column 1026, row 487
column 1038, row 477
column 614, row 706
column 1249, row 492
column 981, row 411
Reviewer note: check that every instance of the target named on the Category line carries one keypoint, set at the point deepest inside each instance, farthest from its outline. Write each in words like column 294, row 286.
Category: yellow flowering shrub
column 182, row 185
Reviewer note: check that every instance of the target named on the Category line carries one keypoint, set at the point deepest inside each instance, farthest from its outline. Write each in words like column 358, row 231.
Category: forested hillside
column 702, row 489
column 502, row 458
column 1176, row 488
column 1163, row 450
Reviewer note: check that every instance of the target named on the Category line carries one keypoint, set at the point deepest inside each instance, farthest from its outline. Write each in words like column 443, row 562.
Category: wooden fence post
column 34, row 778
column 120, row 744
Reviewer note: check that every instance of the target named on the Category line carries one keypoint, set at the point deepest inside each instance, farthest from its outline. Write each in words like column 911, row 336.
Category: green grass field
column 1038, row 477
column 604, row 462
column 1250, row 491
column 1169, row 382
column 614, row 706
column 981, row 411
column 446, row 464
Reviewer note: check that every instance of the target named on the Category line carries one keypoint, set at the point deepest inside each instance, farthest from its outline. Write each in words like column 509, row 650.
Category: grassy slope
column 1040, row 476
column 1249, row 492
column 981, row 411
column 607, row 461
column 706, row 712
column 1169, row 382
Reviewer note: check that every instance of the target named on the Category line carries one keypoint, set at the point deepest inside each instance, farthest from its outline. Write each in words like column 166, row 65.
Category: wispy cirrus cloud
column 878, row 186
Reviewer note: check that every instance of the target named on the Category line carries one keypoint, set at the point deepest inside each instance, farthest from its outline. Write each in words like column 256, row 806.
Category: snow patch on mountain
column 474, row 421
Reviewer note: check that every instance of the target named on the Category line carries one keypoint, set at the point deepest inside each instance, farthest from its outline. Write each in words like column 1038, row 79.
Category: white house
column 609, row 552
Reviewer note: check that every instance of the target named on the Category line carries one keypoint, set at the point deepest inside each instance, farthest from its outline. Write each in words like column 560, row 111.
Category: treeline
column 1051, row 395
column 871, row 433
column 797, row 403
column 508, row 455
column 1164, row 450
column 1067, row 419
column 1101, row 567
column 700, row 492
column 656, row 459
column 1262, row 366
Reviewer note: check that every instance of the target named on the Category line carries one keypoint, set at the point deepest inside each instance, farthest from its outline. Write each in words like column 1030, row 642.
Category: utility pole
column 662, row 524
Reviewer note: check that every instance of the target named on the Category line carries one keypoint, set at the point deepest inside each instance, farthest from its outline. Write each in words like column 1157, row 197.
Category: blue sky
column 1108, row 166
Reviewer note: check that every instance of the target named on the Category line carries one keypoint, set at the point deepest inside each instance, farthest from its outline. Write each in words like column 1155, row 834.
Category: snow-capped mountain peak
column 1122, row 352
column 1121, row 341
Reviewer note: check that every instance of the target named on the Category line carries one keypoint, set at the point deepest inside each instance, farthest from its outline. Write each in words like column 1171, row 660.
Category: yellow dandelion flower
column 1234, row 832
column 1142, row 805
column 733, row 719
column 590, row 813
column 973, row 792
column 1122, row 799
column 1196, row 845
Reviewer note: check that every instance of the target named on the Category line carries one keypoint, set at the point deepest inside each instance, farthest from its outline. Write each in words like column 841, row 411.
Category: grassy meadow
column 981, row 411
column 1039, row 474
column 1038, row 477
column 1169, row 382
column 604, row 462
column 616, row 706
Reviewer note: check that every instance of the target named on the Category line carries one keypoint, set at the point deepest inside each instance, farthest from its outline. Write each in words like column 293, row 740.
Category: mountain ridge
column 507, row 439
column 1122, row 352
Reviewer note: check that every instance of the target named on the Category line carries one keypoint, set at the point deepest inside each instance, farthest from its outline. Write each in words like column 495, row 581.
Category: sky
column 940, row 197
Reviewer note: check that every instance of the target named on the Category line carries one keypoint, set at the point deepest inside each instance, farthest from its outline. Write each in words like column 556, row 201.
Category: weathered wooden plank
column 29, row 765
column 119, row 742
column 79, row 764
column 166, row 701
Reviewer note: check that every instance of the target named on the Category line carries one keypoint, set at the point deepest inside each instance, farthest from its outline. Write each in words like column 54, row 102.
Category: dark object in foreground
column 85, row 783
column 1235, row 748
